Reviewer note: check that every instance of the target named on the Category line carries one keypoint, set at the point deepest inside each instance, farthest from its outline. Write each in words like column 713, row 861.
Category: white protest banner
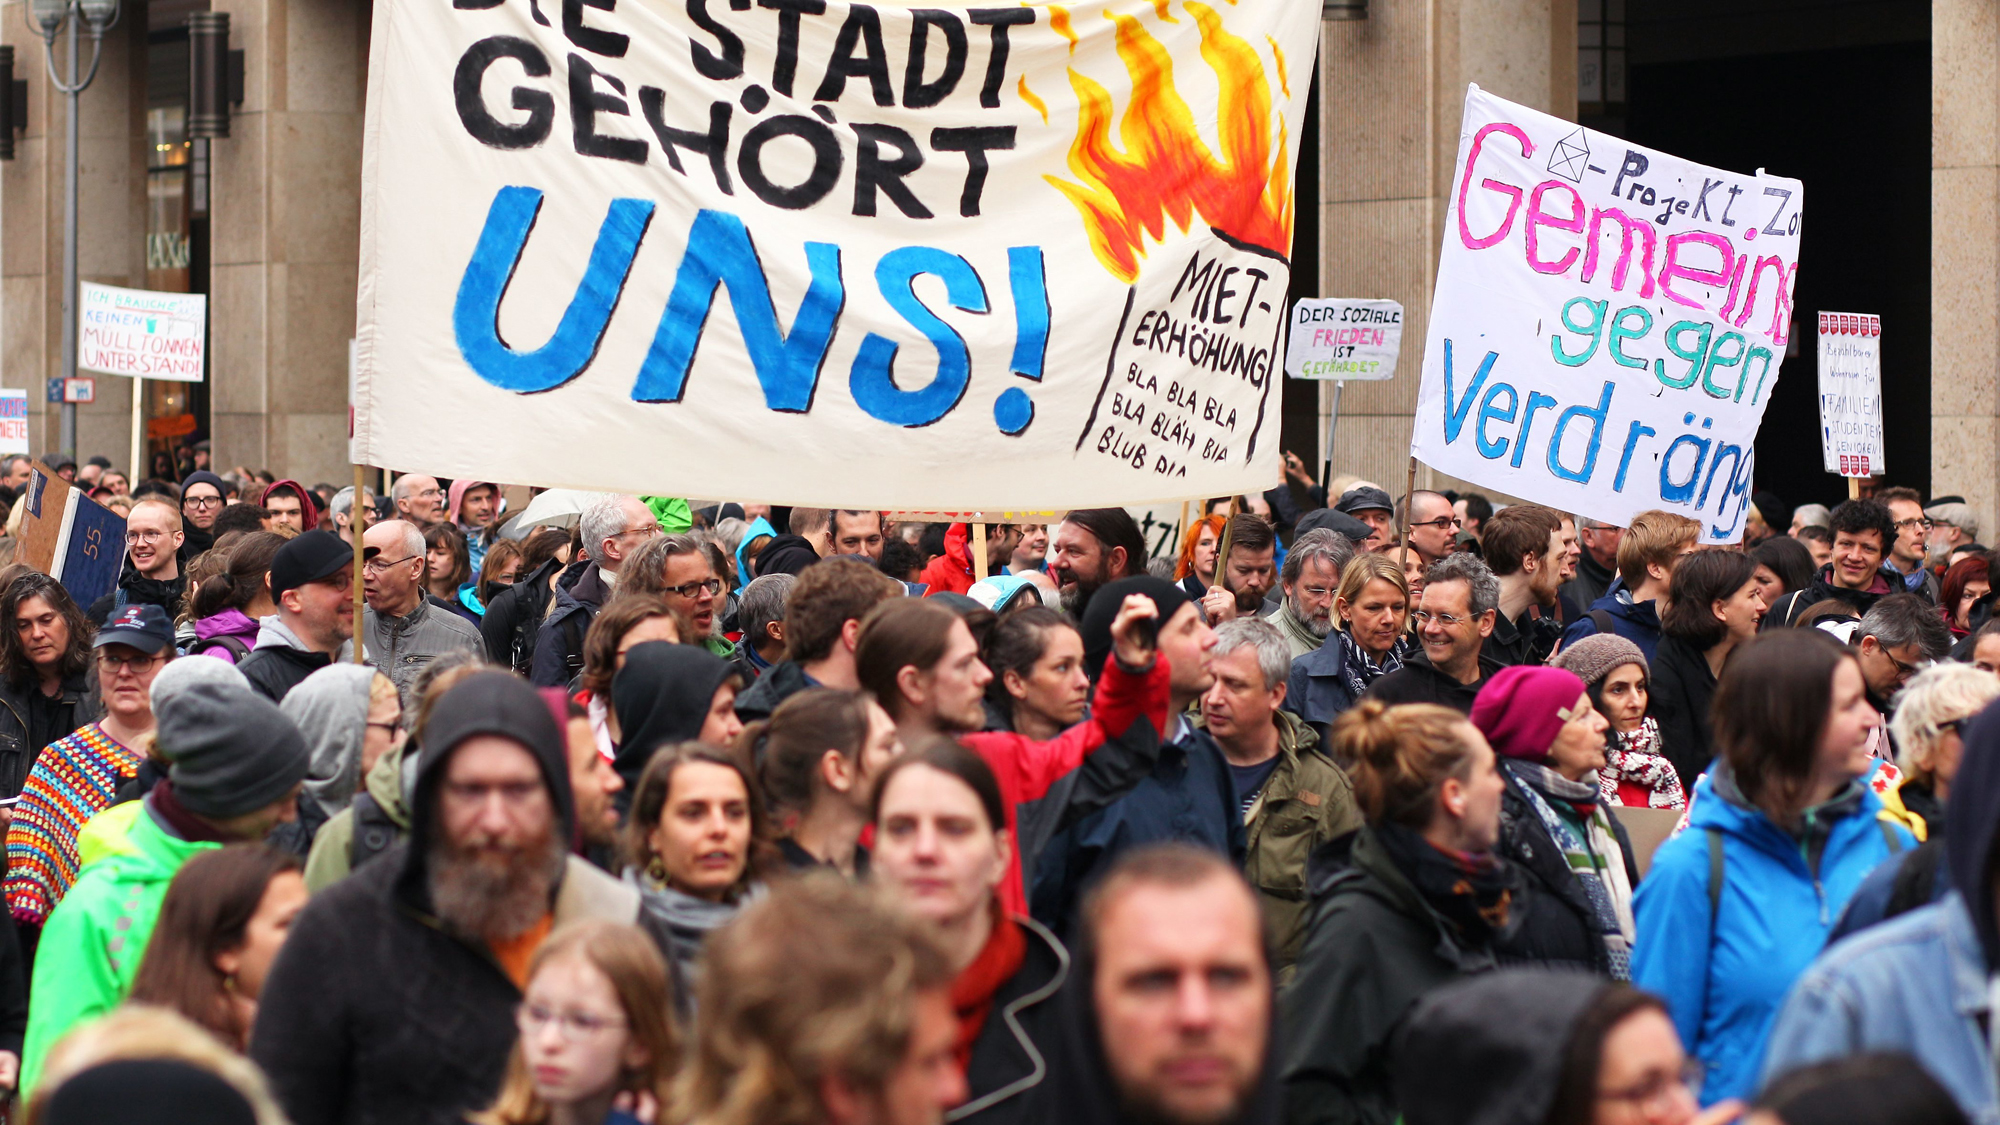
column 13, row 422
column 1850, row 393
column 840, row 254
column 141, row 333
column 1335, row 338
column 1608, row 321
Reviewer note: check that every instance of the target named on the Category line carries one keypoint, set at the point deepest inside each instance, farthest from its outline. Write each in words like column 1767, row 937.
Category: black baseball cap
column 142, row 626
column 312, row 557
column 1363, row 499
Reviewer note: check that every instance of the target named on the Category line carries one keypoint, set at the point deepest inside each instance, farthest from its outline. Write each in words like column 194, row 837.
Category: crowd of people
column 650, row 810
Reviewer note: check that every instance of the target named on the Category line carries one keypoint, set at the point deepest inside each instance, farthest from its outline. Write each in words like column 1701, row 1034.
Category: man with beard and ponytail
column 1166, row 1017
column 1310, row 579
column 394, row 997
column 237, row 764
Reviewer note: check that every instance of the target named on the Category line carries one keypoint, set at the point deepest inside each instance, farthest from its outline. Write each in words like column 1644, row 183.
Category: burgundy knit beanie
column 1521, row 709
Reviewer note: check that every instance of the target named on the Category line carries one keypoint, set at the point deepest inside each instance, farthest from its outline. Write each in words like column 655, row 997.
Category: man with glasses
column 1433, row 525
column 401, row 630
column 1459, row 607
column 1897, row 638
column 419, row 500
column 394, row 997
column 1597, row 566
column 1912, row 541
column 677, row 570
column 77, row 777
column 202, row 499
column 613, row 529
column 312, row 584
column 1311, row 578
column 152, row 571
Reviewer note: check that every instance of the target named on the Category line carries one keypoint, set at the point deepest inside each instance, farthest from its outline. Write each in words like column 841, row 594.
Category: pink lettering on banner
column 1538, row 218
column 1513, row 193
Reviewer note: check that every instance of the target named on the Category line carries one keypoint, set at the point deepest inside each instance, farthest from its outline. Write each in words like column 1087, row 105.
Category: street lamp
column 47, row 18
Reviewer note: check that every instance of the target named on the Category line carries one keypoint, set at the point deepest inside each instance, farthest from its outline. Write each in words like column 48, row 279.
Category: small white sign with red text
column 1850, row 393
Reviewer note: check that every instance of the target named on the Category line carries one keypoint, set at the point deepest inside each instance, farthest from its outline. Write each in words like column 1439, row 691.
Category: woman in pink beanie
column 1552, row 824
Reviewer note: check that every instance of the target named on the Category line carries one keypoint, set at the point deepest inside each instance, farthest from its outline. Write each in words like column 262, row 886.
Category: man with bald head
column 418, row 500
column 401, row 630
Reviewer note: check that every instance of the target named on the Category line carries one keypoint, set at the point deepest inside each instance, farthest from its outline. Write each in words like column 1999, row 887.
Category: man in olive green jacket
column 1293, row 796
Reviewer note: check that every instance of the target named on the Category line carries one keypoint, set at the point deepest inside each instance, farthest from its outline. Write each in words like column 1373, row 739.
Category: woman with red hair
column 1968, row 580
column 1197, row 562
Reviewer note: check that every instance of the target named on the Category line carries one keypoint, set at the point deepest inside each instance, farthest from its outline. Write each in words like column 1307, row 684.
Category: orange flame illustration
column 1163, row 169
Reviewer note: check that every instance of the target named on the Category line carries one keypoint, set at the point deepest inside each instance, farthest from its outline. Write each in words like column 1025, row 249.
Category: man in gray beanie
column 236, row 764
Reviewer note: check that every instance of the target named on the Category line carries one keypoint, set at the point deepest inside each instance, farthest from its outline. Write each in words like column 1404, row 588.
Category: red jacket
column 951, row 572
column 1041, row 782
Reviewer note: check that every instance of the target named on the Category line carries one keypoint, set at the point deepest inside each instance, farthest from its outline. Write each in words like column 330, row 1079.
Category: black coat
column 1373, row 949
column 1418, row 681
column 17, row 757
column 1558, row 927
column 1682, row 690
column 779, row 682
column 515, row 617
column 1010, row 1059
column 275, row 670
column 375, row 1012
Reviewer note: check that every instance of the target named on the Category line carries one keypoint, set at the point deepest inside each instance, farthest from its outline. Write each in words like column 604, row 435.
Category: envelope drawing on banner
column 853, row 255
column 1608, row 321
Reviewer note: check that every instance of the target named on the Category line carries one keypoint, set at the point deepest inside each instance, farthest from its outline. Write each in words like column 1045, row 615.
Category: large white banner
column 998, row 257
column 1608, row 321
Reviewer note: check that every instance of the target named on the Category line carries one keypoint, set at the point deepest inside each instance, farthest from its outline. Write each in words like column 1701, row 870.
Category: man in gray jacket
column 401, row 631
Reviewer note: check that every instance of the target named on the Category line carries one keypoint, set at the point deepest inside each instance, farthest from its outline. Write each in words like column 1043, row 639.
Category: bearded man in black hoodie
column 394, row 997
column 1166, row 1018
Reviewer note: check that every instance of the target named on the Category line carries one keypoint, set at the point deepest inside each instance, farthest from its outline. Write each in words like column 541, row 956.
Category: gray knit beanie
column 1594, row 657
column 232, row 751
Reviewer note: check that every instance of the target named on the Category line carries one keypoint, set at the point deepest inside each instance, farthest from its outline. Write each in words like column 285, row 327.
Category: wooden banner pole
column 355, row 522
column 1409, row 486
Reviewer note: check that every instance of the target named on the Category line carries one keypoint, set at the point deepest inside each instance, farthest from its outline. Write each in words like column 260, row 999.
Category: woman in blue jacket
column 1781, row 831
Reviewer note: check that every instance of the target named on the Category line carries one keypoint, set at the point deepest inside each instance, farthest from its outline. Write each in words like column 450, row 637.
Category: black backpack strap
column 1717, row 869
column 233, row 645
column 374, row 832
column 1602, row 619
column 1916, row 881
column 573, row 630
column 1894, row 841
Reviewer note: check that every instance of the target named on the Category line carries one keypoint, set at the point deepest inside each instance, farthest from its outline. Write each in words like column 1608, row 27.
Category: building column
column 1965, row 254
column 285, row 235
column 1392, row 88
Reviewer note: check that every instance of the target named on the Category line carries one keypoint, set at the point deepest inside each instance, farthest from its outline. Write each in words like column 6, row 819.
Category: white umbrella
column 558, row 507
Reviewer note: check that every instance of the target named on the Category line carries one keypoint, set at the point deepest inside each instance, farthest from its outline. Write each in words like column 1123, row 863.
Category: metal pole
column 1332, row 421
column 138, row 428
column 69, row 243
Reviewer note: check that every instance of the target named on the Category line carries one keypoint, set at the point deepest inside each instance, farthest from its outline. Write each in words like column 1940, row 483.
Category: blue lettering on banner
column 873, row 381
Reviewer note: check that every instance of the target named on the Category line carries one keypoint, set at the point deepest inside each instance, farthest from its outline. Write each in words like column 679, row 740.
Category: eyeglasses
column 1442, row 523
column 1902, row 669
column 644, row 531
column 1654, row 1094
column 1955, row 726
column 147, row 536
column 1425, row 617
column 138, row 663
column 572, row 1026
column 709, row 587
column 1317, row 591
column 1914, row 521
column 392, row 728
column 202, row 502
column 377, row 566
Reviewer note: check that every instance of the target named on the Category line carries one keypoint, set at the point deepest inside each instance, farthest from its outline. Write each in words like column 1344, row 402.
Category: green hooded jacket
column 333, row 847
column 90, row 949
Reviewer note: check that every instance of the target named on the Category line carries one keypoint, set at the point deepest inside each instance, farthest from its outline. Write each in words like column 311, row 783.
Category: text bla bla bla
column 1182, row 398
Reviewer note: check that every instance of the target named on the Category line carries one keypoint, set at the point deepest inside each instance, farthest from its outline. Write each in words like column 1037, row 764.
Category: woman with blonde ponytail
column 1417, row 900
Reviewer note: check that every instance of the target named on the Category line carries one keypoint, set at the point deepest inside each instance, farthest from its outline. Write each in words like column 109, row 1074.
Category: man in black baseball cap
column 312, row 584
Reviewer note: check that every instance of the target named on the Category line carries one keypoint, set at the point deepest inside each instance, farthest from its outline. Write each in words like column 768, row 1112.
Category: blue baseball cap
column 144, row 627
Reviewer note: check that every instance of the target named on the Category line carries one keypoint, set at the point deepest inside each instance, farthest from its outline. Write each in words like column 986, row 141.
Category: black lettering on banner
column 999, row 20
column 1784, row 197
column 785, row 66
column 975, row 142
column 476, row 5
column 863, row 29
column 586, row 102
column 827, row 161
column 917, row 93
column 720, row 68
column 1635, row 166
column 596, row 40
column 472, row 113
column 713, row 144
column 872, row 172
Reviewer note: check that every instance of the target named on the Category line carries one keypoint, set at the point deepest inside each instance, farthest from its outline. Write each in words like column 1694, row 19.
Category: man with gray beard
column 1310, row 578
column 394, row 997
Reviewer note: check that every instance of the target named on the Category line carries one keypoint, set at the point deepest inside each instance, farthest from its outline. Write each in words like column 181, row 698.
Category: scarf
column 1472, row 892
column 1594, row 856
column 74, row 779
column 175, row 817
column 1634, row 757
column 1358, row 671
column 973, row 989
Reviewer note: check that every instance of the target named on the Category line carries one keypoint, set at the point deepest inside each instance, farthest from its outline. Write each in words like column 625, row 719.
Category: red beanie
column 1522, row 709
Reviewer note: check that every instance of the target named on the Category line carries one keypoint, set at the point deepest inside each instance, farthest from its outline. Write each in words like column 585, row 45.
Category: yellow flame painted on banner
column 1161, row 168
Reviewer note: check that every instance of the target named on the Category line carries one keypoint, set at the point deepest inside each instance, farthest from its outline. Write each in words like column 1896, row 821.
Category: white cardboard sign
column 1850, row 393
column 1336, row 338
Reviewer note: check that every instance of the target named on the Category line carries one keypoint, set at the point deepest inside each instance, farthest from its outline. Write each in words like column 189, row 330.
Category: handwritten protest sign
column 13, row 422
column 991, row 258
column 1850, row 393
column 70, row 537
column 142, row 333
column 1334, row 338
column 1608, row 321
